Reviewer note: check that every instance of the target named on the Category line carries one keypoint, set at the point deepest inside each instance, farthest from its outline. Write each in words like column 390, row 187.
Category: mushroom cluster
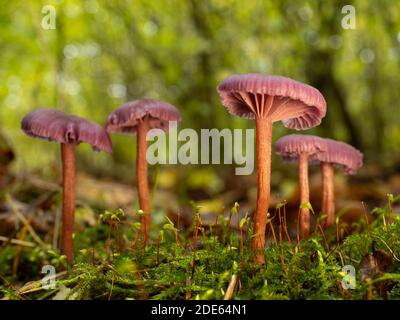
column 139, row 117
column 266, row 99
column 328, row 152
column 269, row 99
column 68, row 130
column 301, row 148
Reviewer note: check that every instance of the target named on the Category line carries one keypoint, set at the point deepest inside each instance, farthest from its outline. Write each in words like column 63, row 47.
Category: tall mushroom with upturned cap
column 338, row 153
column 301, row 148
column 69, row 131
column 268, row 99
column 139, row 117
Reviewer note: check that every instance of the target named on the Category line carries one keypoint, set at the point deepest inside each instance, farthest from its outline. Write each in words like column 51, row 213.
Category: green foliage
column 103, row 54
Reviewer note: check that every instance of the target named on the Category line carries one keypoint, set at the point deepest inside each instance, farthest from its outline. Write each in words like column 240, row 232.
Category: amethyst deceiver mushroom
column 301, row 148
column 268, row 99
column 328, row 152
column 337, row 153
column 139, row 117
column 69, row 131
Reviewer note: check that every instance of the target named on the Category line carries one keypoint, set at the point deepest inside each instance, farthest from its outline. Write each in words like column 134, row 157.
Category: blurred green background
column 103, row 53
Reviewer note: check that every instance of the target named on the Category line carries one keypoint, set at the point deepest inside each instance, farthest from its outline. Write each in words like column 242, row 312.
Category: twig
column 231, row 287
column 36, row 285
column 18, row 242
column 390, row 249
column 39, row 183
column 19, row 248
column 21, row 217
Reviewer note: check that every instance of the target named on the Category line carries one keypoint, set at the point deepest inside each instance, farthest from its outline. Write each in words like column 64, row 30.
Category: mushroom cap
column 290, row 146
column 320, row 150
column 126, row 118
column 298, row 105
column 55, row 125
column 343, row 154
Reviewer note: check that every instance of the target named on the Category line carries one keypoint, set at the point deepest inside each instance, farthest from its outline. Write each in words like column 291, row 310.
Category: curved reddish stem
column 304, row 214
column 68, row 167
column 141, row 177
column 328, row 193
column 263, row 145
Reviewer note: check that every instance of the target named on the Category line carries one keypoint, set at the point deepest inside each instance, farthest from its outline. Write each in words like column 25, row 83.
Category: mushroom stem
column 263, row 145
column 68, row 167
column 141, row 176
column 328, row 193
column 304, row 216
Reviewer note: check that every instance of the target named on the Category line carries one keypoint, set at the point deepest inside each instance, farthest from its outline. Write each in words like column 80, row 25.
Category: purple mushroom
column 69, row 131
column 301, row 148
column 139, row 117
column 339, row 153
column 269, row 99
column 304, row 148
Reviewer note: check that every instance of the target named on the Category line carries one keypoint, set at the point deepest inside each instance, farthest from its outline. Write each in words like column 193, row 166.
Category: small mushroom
column 339, row 153
column 301, row 148
column 328, row 152
column 69, row 131
column 269, row 99
column 139, row 117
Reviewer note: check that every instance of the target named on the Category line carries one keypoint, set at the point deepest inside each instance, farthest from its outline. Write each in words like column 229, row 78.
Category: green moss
column 110, row 266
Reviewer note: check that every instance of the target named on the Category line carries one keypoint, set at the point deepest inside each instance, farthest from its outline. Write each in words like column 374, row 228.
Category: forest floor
column 211, row 261
column 201, row 250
